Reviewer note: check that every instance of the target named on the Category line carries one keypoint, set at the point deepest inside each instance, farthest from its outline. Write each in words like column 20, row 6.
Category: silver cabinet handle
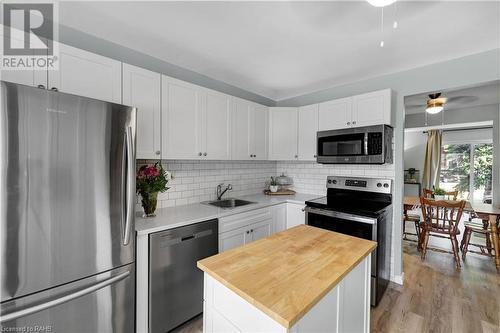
column 54, row 89
column 130, row 186
column 41, row 86
column 157, row 152
column 64, row 299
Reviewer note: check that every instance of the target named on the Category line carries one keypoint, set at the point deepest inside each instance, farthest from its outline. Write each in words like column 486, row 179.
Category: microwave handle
column 366, row 143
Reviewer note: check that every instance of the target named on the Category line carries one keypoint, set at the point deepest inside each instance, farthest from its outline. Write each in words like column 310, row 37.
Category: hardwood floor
column 435, row 297
column 438, row 298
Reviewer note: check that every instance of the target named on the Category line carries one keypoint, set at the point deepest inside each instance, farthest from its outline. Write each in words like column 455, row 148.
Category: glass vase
column 149, row 201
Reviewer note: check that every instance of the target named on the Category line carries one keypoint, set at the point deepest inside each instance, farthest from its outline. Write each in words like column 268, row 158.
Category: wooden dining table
column 485, row 211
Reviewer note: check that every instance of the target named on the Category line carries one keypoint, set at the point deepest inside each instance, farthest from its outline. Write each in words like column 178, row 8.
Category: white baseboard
column 398, row 278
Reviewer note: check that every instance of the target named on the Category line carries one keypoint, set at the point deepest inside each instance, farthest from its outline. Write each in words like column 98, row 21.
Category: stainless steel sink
column 229, row 203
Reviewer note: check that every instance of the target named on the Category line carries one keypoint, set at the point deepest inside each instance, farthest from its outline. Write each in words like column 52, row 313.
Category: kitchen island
column 304, row 279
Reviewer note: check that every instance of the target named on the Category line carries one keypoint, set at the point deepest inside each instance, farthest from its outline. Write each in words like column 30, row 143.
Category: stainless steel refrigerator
column 67, row 189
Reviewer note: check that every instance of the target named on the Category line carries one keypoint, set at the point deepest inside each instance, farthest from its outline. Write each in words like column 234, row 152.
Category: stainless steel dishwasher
column 175, row 283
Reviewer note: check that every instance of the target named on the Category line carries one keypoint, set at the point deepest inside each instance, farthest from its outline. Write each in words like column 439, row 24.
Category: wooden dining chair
column 440, row 219
column 449, row 195
column 481, row 227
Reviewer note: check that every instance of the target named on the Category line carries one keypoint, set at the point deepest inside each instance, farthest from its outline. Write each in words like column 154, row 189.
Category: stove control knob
column 329, row 181
column 334, row 181
column 386, row 185
column 379, row 184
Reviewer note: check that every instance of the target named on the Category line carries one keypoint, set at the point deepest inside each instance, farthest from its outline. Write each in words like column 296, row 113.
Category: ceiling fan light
column 381, row 3
column 434, row 109
column 434, row 106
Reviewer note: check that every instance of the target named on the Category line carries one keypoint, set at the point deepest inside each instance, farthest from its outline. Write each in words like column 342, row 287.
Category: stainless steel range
column 360, row 207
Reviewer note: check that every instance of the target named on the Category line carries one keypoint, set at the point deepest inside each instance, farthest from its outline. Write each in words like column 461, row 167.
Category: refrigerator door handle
column 130, row 186
column 64, row 299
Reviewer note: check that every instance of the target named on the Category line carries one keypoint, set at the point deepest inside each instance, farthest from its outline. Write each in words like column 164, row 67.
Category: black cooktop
column 353, row 202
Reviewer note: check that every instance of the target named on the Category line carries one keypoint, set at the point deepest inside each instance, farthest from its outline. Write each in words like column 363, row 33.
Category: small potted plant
column 273, row 185
column 151, row 180
column 439, row 193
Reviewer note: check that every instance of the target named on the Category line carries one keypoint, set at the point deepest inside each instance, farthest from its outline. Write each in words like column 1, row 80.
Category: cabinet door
column 216, row 126
column 87, row 74
column 261, row 229
column 181, row 120
column 234, row 238
column 373, row 108
column 241, row 130
column 142, row 89
column 307, row 129
column 279, row 217
column 259, row 132
column 335, row 114
column 283, row 133
column 295, row 215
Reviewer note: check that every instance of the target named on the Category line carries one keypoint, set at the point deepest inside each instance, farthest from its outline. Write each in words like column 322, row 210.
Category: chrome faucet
column 221, row 192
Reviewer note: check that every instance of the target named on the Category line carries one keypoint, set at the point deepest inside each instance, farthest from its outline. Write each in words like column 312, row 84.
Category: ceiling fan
column 436, row 102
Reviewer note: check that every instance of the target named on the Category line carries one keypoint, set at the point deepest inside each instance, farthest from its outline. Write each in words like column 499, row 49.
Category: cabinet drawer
column 240, row 220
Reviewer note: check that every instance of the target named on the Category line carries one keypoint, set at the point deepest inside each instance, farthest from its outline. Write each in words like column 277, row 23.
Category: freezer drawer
column 101, row 303
column 175, row 283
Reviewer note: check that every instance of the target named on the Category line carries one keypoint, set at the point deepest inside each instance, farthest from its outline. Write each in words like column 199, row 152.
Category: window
column 467, row 168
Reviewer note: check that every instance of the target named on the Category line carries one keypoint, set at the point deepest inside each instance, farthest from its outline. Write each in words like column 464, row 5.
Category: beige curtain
column 432, row 162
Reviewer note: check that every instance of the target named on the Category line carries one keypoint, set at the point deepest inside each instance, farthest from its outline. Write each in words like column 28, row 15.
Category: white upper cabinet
column 259, row 132
column 241, row 129
column 216, row 126
column 30, row 77
column 181, row 120
column 335, row 114
column 283, row 133
column 373, row 108
column 142, row 89
column 307, row 129
column 87, row 74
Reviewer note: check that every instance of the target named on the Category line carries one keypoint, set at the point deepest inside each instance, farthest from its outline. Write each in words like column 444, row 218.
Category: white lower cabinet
column 241, row 229
column 279, row 217
column 295, row 215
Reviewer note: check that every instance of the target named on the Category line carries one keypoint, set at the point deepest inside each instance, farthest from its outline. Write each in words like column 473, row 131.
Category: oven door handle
column 366, row 143
column 339, row 215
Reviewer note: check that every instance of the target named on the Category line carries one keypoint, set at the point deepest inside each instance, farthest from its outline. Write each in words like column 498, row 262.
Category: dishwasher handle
column 176, row 240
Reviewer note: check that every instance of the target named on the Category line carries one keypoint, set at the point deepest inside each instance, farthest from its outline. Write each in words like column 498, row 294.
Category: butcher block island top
column 286, row 274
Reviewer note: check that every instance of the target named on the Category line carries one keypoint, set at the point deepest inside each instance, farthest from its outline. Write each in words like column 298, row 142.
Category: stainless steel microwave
column 357, row 145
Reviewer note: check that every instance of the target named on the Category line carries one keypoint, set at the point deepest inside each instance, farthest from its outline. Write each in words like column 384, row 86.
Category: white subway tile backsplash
column 195, row 181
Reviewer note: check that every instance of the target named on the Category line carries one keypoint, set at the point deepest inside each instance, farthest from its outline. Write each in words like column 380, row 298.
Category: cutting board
column 284, row 192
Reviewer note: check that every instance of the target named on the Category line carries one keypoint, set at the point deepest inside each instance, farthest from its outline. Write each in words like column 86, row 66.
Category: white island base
column 345, row 308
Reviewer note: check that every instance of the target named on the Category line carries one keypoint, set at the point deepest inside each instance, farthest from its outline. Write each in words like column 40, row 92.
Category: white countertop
column 173, row 217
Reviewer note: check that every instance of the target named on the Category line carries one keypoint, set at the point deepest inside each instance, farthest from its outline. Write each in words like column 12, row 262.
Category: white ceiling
column 461, row 98
column 284, row 49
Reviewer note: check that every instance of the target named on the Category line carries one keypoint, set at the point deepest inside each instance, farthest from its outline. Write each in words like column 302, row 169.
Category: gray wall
column 470, row 70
